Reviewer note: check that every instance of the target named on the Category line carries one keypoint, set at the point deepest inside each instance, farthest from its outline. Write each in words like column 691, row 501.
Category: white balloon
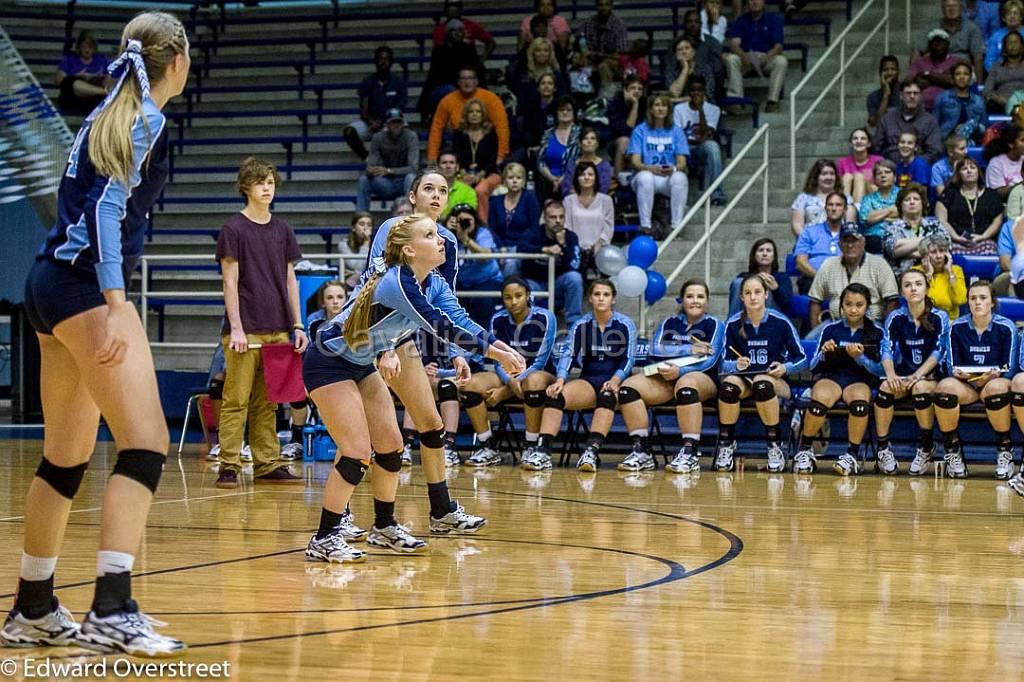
column 631, row 281
column 610, row 260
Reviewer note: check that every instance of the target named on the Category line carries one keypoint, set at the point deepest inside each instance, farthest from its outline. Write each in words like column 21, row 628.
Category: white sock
column 113, row 562
column 532, row 436
column 695, row 437
column 37, row 567
column 483, row 437
column 639, row 432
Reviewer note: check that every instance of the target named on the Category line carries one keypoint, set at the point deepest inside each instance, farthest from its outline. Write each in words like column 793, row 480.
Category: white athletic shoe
column 246, row 453
column 686, row 461
column 536, row 460
column 1004, row 463
column 457, row 521
column 57, row 628
column 637, row 460
column 955, row 467
column 484, row 457
column 451, row 457
column 349, row 530
column 291, row 452
column 333, row 549
column 1016, row 483
column 130, row 632
column 724, row 458
column 886, row 462
column 804, row 462
column 920, row 463
column 846, row 465
column 588, row 461
column 396, row 538
column 214, row 454
column 776, row 459
column 407, row 456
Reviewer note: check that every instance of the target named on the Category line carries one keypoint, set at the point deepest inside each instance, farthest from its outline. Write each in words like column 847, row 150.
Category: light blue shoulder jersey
column 375, row 258
column 401, row 305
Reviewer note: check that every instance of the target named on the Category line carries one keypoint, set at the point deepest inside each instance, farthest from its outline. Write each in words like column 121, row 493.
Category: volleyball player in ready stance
column 340, row 374
column 691, row 333
column 95, row 354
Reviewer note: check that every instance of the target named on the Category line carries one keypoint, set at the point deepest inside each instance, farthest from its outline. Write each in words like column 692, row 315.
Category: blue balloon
column 643, row 251
column 656, row 287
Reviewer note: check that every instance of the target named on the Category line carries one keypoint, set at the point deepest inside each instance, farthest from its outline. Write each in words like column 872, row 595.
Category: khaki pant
column 776, row 72
column 245, row 398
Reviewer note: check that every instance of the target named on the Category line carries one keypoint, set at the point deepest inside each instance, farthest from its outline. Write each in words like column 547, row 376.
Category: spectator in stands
column 476, row 147
column 392, row 163
column 686, row 65
column 1007, row 75
column 984, row 13
column 809, row 206
column 539, row 59
column 583, row 81
column 882, row 100
column 589, row 144
column 458, row 191
column 82, row 77
column 1006, row 249
column 634, row 60
column 965, row 39
column 903, row 235
column 626, row 111
column 560, row 146
column 1013, row 17
column 516, row 212
column 819, row 241
column 552, row 238
column 853, row 265
column 970, row 213
column 657, row 152
column 607, row 37
column 947, row 287
column 473, row 32
column 879, row 206
column 699, row 120
column 909, row 116
column 256, row 251
column 855, row 171
column 910, row 167
column 942, row 170
column 755, row 45
column 933, row 69
column 712, row 22
column 449, row 113
column 538, row 113
column 558, row 31
column 379, row 93
column 357, row 245
column 1005, row 155
column 401, row 207
column 707, row 57
column 589, row 213
column 448, row 63
column 763, row 261
column 475, row 274
column 959, row 109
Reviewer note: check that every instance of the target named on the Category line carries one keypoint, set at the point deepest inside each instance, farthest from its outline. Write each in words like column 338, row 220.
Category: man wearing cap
column 965, row 39
column 379, row 92
column 852, row 265
column 392, row 162
column 910, row 116
column 932, row 70
column 473, row 31
column 449, row 113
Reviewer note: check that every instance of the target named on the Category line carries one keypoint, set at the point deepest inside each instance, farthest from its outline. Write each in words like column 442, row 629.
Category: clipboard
column 652, row 369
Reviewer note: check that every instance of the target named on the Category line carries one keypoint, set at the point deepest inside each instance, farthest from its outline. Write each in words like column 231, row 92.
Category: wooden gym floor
column 742, row 576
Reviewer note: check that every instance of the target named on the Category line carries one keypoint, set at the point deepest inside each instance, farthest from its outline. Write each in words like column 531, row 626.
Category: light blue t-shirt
column 658, row 146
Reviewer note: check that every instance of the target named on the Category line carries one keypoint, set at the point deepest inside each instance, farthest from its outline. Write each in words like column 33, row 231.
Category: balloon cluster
column 630, row 273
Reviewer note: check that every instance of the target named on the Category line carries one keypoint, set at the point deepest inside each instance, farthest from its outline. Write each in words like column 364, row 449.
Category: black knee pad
column 65, row 480
column 997, row 401
column 142, row 466
column 817, row 409
column 433, row 439
column 534, row 398
column 606, row 399
column 469, row 399
column 352, row 470
column 885, row 400
column 922, row 401
column 763, row 390
column 298, row 405
column 628, row 395
column 859, row 408
column 729, row 393
column 687, row 396
column 389, row 461
column 557, row 403
column 446, row 390
column 216, row 389
column 1018, row 400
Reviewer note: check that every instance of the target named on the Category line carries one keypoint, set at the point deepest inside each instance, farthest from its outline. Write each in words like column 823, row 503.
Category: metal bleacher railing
column 158, row 300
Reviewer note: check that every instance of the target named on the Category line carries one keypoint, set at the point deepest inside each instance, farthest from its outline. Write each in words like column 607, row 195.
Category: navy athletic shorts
column 321, row 370
column 845, row 379
column 56, row 291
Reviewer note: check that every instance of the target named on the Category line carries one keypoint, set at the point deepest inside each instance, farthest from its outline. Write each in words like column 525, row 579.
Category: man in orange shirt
column 449, row 114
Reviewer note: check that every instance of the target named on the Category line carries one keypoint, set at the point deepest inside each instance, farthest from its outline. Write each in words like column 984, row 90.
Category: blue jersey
column 534, row 339
column 774, row 340
column 839, row 362
column 908, row 344
column 375, row 258
column 600, row 354
column 994, row 347
column 673, row 337
column 101, row 221
column 401, row 305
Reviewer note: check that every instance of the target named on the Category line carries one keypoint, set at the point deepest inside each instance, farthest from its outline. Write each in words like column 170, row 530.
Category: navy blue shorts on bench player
column 319, row 370
column 845, row 379
column 56, row 291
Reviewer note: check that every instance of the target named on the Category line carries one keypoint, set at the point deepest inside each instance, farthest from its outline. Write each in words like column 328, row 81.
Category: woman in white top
column 712, row 23
column 589, row 213
column 357, row 245
column 809, row 206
